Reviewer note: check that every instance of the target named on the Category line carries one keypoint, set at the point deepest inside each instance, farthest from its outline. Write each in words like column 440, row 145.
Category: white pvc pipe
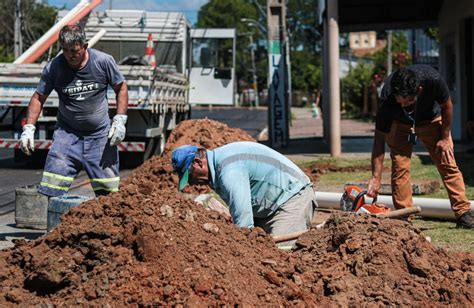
column 52, row 31
column 430, row 207
column 96, row 38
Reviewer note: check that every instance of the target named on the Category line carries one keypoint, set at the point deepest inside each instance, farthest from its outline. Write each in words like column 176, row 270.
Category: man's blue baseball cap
column 182, row 159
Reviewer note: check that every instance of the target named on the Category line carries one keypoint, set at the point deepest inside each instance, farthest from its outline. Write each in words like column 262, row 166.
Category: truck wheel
column 37, row 159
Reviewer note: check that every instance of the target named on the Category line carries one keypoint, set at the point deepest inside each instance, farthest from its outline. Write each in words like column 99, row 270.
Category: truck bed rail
column 149, row 88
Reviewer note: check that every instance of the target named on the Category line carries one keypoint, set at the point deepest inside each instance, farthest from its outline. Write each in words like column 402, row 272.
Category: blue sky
column 189, row 7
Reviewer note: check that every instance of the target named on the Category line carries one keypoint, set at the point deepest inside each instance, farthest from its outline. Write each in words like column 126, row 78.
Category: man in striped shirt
column 261, row 187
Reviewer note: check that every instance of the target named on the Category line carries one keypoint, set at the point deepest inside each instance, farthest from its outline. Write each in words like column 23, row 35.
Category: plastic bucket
column 61, row 205
column 31, row 208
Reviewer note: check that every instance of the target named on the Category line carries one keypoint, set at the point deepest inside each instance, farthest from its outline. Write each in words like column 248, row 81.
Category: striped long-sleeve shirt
column 254, row 180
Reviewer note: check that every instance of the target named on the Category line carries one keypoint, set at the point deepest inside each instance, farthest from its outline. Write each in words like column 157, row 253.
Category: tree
column 302, row 25
column 37, row 18
column 305, row 46
column 306, row 71
column 355, row 88
column 400, row 56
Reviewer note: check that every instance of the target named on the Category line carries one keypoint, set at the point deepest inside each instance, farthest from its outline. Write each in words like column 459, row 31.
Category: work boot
column 465, row 221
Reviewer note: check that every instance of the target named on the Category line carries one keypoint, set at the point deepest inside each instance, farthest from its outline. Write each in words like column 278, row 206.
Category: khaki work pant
column 400, row 153
column 294, row 215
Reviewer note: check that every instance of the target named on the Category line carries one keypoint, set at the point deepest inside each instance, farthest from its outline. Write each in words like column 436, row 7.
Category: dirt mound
column 147, row 245
column 150, row 248
column 207, row 133
column 159, row 249
column 358, row 260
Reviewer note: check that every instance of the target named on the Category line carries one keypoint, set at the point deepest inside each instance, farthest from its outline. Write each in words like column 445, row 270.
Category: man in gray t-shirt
column 81, row 77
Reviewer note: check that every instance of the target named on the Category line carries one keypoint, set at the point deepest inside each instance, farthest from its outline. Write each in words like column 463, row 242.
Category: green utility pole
column 278, row 83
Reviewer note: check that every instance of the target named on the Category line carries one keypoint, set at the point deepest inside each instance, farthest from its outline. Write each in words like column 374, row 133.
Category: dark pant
column 70, row 154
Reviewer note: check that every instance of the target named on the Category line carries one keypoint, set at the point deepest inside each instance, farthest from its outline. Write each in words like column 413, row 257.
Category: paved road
column 252, row 120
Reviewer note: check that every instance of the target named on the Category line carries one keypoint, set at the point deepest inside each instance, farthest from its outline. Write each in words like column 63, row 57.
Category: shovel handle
column 401, row 213
column 392, row 214
column 294, row 235
column 288, row 237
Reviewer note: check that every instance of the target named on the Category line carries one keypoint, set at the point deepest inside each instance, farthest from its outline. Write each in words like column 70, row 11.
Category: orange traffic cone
column 150, row 51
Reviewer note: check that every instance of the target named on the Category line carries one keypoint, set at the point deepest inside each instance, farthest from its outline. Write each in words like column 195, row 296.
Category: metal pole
column 254, row 71
column 325, row 93
column 333, row 82
column 288, row 67
column 389, row 52
column 18, row 41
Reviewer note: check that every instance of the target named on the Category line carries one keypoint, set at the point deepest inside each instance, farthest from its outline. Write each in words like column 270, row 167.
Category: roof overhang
column 364, row 15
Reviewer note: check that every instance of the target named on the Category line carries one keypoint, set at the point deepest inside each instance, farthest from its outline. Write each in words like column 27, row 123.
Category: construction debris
column 149, row 245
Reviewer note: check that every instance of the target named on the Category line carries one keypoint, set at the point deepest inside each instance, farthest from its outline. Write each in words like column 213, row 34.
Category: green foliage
column 305, row 43
column 400, row 56
column 306, row 71
column 366, row 77
column 353, row 85
column 37, row 18
column 6, row 56
column 301, row 19
column 432, row 33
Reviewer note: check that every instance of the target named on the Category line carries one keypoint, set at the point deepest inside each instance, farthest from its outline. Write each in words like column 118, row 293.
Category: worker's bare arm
column 34, row 107
column 121, row 96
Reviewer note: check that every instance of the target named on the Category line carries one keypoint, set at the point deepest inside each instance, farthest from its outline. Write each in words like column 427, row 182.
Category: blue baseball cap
column 182, row 159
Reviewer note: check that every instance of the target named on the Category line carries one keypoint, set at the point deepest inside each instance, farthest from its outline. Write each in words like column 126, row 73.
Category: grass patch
column 445, row 234
column 442, row 233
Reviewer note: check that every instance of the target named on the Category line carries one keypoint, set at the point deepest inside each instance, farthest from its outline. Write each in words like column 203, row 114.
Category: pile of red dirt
column 206, row 133
column 147, row 245
column 356, row 260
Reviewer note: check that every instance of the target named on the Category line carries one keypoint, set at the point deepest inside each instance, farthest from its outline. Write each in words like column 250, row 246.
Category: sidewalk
column 307, row 142
column 303, row 125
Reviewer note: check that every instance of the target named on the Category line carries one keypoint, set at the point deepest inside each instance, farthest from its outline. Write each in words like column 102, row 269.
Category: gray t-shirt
column 83, row 107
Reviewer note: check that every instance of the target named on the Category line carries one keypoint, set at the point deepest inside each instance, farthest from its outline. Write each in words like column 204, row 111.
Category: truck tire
column 37, row 159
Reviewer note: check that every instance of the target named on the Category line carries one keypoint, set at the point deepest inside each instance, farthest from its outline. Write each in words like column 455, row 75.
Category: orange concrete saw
column 353, row 200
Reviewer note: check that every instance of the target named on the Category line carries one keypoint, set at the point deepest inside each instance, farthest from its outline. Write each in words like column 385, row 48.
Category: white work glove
column 117, row 129
column 27, row 139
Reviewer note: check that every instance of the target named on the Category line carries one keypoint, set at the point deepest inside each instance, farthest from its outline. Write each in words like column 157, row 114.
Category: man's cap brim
column 183, row 180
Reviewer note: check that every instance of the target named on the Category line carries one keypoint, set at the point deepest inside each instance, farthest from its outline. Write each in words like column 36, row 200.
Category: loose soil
column 148, row 245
